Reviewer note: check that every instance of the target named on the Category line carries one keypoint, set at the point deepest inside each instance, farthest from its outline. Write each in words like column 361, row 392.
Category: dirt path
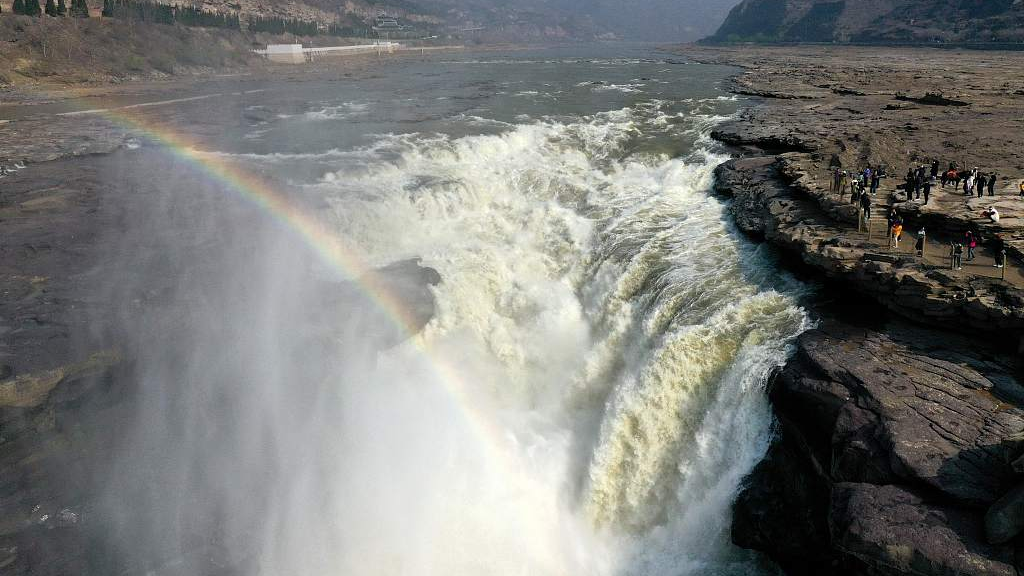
column 937, row 244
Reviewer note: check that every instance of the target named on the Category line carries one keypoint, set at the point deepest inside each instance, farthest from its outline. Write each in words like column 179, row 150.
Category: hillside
column 874, row 21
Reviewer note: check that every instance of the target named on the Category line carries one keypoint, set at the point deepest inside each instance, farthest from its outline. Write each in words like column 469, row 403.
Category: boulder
column 1005, row 518
column 894, row 530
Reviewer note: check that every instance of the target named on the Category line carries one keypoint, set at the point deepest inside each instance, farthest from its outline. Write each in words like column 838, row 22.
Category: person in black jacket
column 999, row 247
column 992, row 184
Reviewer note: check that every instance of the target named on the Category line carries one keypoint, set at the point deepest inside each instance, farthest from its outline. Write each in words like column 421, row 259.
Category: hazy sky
column 659, row 20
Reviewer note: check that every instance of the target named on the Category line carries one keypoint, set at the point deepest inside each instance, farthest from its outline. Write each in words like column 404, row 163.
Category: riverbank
column 898, row 441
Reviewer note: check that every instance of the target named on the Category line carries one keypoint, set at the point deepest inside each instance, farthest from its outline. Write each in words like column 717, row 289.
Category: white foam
column 344, row 111
column 599, row 306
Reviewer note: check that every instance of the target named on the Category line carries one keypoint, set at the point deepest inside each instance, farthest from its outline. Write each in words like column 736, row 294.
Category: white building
column 285, row 53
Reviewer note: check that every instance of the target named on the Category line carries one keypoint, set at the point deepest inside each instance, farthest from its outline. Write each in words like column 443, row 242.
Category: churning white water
column 585, row 401
column 591, row 391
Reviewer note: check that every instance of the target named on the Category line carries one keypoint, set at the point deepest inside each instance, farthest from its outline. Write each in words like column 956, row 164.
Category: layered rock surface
column 899, row 430
column 891, row 447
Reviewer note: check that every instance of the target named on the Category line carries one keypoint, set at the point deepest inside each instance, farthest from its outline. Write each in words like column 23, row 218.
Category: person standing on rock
column 971, row 244
column 969, row 187
column 935, row 168
column 865, row 205
column 842, row 182
column 992, row 184
column 980, row 184
column 919, row 246
column 928, row 188
column 999, row 247
column 957, row 253
column 836, row 172
column 876, row 178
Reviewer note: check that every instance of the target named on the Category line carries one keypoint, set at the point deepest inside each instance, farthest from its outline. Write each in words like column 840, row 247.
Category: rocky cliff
column 867, row 21
column 899, row 419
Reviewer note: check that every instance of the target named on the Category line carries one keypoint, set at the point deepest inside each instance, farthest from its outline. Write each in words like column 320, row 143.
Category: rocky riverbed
column 898, row 448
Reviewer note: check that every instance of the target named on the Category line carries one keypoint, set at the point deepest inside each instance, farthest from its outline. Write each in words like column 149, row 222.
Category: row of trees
column 336, row 29
column 79, row 9
column 275, row 25
column 146, row 11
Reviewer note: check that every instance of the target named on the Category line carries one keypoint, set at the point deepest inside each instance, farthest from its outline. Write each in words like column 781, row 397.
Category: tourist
column 891, row 219
column 953, row 177
column 992, row 214
column 999, row 247
column 836, row 176
column 897, row 232
column 842, row 182
column 928, row 188
column 957, row 251
column 969, row 186
column 918, row 183
column 919, row 246
column 980, row 184
column 992, row 184
column 971, row 244
column 935, row 168
column 875, row 181
column 865, row 205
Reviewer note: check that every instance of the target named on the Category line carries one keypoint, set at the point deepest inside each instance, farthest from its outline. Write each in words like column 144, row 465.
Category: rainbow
column 331, row 248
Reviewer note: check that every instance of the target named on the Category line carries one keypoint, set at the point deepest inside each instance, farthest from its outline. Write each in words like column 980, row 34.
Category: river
column 585, row 401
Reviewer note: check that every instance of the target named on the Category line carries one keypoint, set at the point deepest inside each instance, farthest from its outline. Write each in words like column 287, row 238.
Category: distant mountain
column 508, row 20
column 881, row 21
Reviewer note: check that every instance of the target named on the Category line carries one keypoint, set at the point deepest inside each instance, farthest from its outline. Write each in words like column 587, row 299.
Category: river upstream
column 588, row 395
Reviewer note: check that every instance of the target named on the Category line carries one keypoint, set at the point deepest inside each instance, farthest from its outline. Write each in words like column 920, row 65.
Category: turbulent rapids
column 589, row 393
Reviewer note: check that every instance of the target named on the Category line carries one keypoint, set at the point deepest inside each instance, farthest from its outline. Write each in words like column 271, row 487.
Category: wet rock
column 765, row 516
column 31, row 390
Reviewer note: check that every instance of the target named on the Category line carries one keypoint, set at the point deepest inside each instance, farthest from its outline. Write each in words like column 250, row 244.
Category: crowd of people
column 920, row 180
